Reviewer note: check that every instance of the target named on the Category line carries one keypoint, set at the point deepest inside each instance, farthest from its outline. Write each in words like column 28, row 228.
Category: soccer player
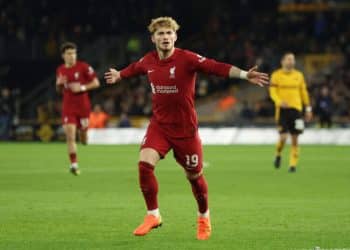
column 74, row 79
column 289, row 92
column 172, row 74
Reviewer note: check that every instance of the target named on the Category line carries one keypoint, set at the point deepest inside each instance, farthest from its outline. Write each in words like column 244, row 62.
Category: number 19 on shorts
column 192, row 160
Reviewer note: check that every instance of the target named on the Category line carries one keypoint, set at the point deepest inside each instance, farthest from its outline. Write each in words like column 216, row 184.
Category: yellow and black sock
column 294, row 156
column 279, row 147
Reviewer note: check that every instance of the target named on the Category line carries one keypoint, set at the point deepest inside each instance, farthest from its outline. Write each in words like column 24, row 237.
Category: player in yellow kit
column 289, row 92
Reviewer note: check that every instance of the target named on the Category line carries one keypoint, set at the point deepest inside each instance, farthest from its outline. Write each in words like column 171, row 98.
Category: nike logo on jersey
column 150, row 70
column 201, row 58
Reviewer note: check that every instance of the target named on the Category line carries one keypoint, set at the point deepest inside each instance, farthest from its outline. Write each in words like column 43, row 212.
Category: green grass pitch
column 253, row 206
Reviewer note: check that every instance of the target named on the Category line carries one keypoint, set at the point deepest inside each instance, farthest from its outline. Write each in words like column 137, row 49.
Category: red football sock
column 73, row 158
column 148, row 184
column 200, row 191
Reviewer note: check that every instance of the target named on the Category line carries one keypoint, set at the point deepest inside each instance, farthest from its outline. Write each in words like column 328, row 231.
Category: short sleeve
column 89, row 72
column 200, row 63
column 134, row 69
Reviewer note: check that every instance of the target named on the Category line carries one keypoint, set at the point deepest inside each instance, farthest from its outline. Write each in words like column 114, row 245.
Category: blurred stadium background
column 243, row 32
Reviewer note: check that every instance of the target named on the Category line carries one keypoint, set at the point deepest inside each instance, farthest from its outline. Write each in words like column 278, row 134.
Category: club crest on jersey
column 172, row 72
column 76, row 75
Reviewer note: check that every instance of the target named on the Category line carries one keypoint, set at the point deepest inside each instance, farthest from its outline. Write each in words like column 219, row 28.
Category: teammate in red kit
column 74, row 79
column 172, row 73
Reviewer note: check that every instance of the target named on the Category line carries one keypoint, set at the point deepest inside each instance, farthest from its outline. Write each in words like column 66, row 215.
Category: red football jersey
column 172, row 82
column 81, row 73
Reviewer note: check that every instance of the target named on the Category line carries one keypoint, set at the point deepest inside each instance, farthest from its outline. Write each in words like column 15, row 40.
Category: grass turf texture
column 253, row 206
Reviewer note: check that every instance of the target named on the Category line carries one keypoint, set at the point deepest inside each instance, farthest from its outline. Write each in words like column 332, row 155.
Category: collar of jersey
column 169, row 59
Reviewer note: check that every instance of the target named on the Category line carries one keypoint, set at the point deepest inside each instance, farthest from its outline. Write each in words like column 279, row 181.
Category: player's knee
column 294, row 141
column 283, row 137
column 70, row 139
column 70, row 135
column 193, row 176
column 150, row 156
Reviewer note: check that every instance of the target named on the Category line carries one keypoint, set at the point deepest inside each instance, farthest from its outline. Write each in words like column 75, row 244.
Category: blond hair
column 164, row 21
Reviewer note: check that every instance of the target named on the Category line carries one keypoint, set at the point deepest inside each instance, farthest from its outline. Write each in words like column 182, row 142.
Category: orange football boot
column 204, row 228
column 148, row 224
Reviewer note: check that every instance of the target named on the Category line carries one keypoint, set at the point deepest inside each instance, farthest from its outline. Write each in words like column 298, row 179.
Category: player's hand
column 308, row 116
column 112, row 76
column 61, row 80
column 75, row 87
column 257, row 78
column 284, row 104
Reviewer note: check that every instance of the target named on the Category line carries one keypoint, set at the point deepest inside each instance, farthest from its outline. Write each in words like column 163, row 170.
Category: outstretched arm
column 112, row 75
column 252, row 75
column 210, row 66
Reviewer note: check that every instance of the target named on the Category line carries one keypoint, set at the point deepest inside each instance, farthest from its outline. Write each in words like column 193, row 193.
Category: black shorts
column 290, row 121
